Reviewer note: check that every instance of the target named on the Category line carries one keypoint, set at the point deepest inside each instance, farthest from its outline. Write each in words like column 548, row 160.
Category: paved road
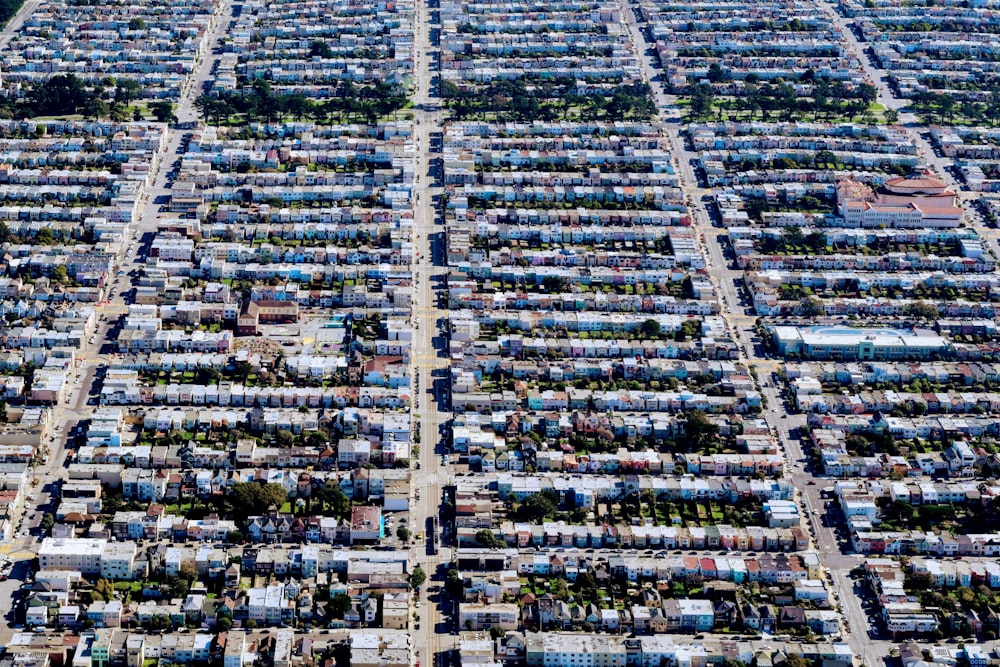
column 432, row 641
column 16, row 21
column 95, row 355
column 741, row 322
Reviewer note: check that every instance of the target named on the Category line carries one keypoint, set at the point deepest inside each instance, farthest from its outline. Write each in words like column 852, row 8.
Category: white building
column 80, row 554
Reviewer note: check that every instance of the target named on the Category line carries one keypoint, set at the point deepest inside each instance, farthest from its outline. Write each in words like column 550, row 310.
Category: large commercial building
column 835, row 342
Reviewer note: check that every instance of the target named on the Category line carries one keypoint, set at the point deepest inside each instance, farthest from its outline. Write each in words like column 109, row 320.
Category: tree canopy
column 252, row 498
column 536, row 508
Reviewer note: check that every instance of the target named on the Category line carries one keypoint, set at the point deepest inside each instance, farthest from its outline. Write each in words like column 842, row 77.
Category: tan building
column 920, row 201
column 266, row 312
column 395, row 614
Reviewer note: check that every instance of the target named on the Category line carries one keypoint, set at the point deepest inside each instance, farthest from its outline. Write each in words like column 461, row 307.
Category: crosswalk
column 8, row 550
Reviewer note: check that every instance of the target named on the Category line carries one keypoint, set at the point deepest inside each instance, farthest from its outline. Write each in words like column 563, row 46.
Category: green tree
column 224, row 624
column 320, row 49
column 553, row 284
column 234, row 537
column 340, row 604
column 136, row 23
column 47, row 522
column 163, row 111
column 453, row 583
column 792, row 235
column 816, row 241
column 403, row 533
column 922, row 310
column 59, row 274
column 810, row 306
column 208, row 375
column 650, row 329
column 103, row 590
column 418, row 577
column 176, row 586
column 535, row 508
column 700, row 431
column 252, row 498
column 486, row 538
column 825, row 157
column 702, row 99
column 899, row 511
column 338, row 502
column 127, row 90
column 95, row 108
column 45, row 236
column 242, row 370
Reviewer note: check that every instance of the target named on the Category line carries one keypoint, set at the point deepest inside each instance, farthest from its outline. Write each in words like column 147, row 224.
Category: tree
column 163, row 111
column 816, row 241
column 176, row 586
column 338, row 502
column 715, row 73
column 650, row 328
column 701, row 432
column 252, row 498
column 47, row 522
column 899, row 511
column 795, row 660
column 418, row 577
column 298, row 105
column 810, row 306
column 486, row 538
column 45, row 236
column 234, row 537
column 242, row 370
column 285, row 438
column 403, row 533
column 224, row 624
column 535, row 508
column 891, row 116
column 127, row 90
column 922, row 310
column 340, row 604
column 701, row 101
column 825, row 157
column 320, row 49
column 552, row 284
column 208, row 375
column 59, row 273
column 453, row 583
column 136, row 23
column 103, row 590
column 496, row 632
column 792, row 235
column 95, row 108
